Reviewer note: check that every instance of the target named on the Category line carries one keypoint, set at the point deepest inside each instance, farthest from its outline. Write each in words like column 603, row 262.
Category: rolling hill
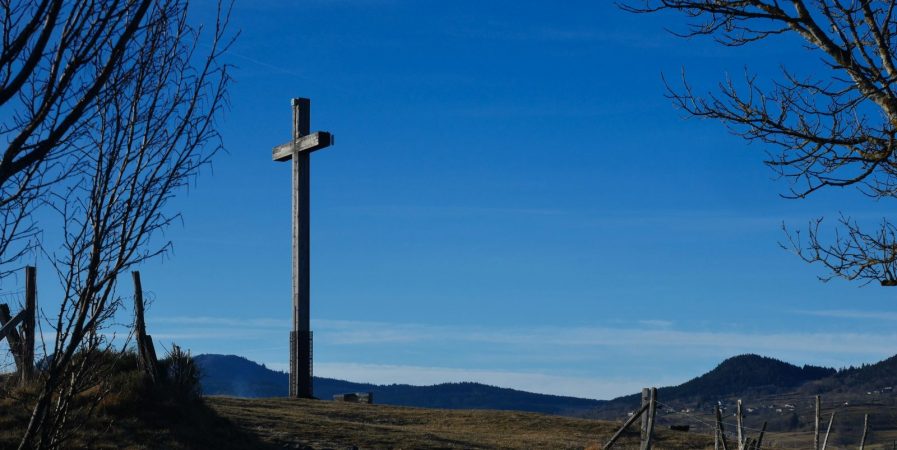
column 238, row 376
column 748, row 376
column 743, row 375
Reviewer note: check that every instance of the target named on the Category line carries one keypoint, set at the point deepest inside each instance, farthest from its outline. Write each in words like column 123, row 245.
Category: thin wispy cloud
column 268, row 66
column 656, row 323
column 448, row 211
column 851, row 314
column 512, row 32
column 731, row 221
column 582, row 361
column 645, row 334
column 696, row 221
column 228, row 321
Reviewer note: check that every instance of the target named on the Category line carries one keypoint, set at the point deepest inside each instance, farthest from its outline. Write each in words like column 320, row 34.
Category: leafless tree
column 831, row 128
column 110, row 111
column 57, row 56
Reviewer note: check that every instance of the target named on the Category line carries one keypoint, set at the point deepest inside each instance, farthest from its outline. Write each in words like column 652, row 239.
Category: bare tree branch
column 831, row 129
column 113, row 113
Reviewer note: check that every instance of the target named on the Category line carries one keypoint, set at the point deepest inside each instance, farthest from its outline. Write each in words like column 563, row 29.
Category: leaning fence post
column 28, row 324
column 828, row 430
column 760, row 438
column 865, row 432
column 626, row 424
column 13, row 338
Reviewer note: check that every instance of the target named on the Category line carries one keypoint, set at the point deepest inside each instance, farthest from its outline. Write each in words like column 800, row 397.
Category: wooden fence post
column 816, row 426
column 651, row 412
column 716, row 429
column 28, row 324
column 865, row 432
column 739, row 420
column 719, row 427
column 146, row 351
column 646, row 399
column 653, row 409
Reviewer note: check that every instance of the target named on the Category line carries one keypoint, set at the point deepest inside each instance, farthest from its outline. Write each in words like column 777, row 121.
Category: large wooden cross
column 298, row 150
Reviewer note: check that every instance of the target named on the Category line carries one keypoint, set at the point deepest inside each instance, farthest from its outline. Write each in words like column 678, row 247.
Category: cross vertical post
column 300, row 367
column 300, row 147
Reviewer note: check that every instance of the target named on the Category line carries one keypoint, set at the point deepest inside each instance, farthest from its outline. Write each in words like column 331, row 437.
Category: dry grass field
column 136, row 414
column 134, row 419
column 315, row 424
column 285, row 423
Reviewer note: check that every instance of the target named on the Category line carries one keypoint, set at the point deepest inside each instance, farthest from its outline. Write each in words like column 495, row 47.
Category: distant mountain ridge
column 748, row 373
column 742, row 375
column 747, row 376
column 866, row 378
column 238, row 376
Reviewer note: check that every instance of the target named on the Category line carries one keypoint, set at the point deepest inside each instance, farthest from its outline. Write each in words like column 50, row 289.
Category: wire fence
column 706, row 424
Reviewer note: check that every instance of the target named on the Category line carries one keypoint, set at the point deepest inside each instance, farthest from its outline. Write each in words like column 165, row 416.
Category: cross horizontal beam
column 310, row 143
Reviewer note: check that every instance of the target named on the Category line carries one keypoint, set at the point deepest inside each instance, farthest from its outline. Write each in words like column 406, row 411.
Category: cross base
column 301, row 364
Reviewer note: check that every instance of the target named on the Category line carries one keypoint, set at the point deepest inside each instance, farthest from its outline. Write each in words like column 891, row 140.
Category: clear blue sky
column 510, row 200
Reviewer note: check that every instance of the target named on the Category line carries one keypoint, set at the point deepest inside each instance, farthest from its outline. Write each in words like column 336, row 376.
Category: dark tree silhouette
column 832, row 128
